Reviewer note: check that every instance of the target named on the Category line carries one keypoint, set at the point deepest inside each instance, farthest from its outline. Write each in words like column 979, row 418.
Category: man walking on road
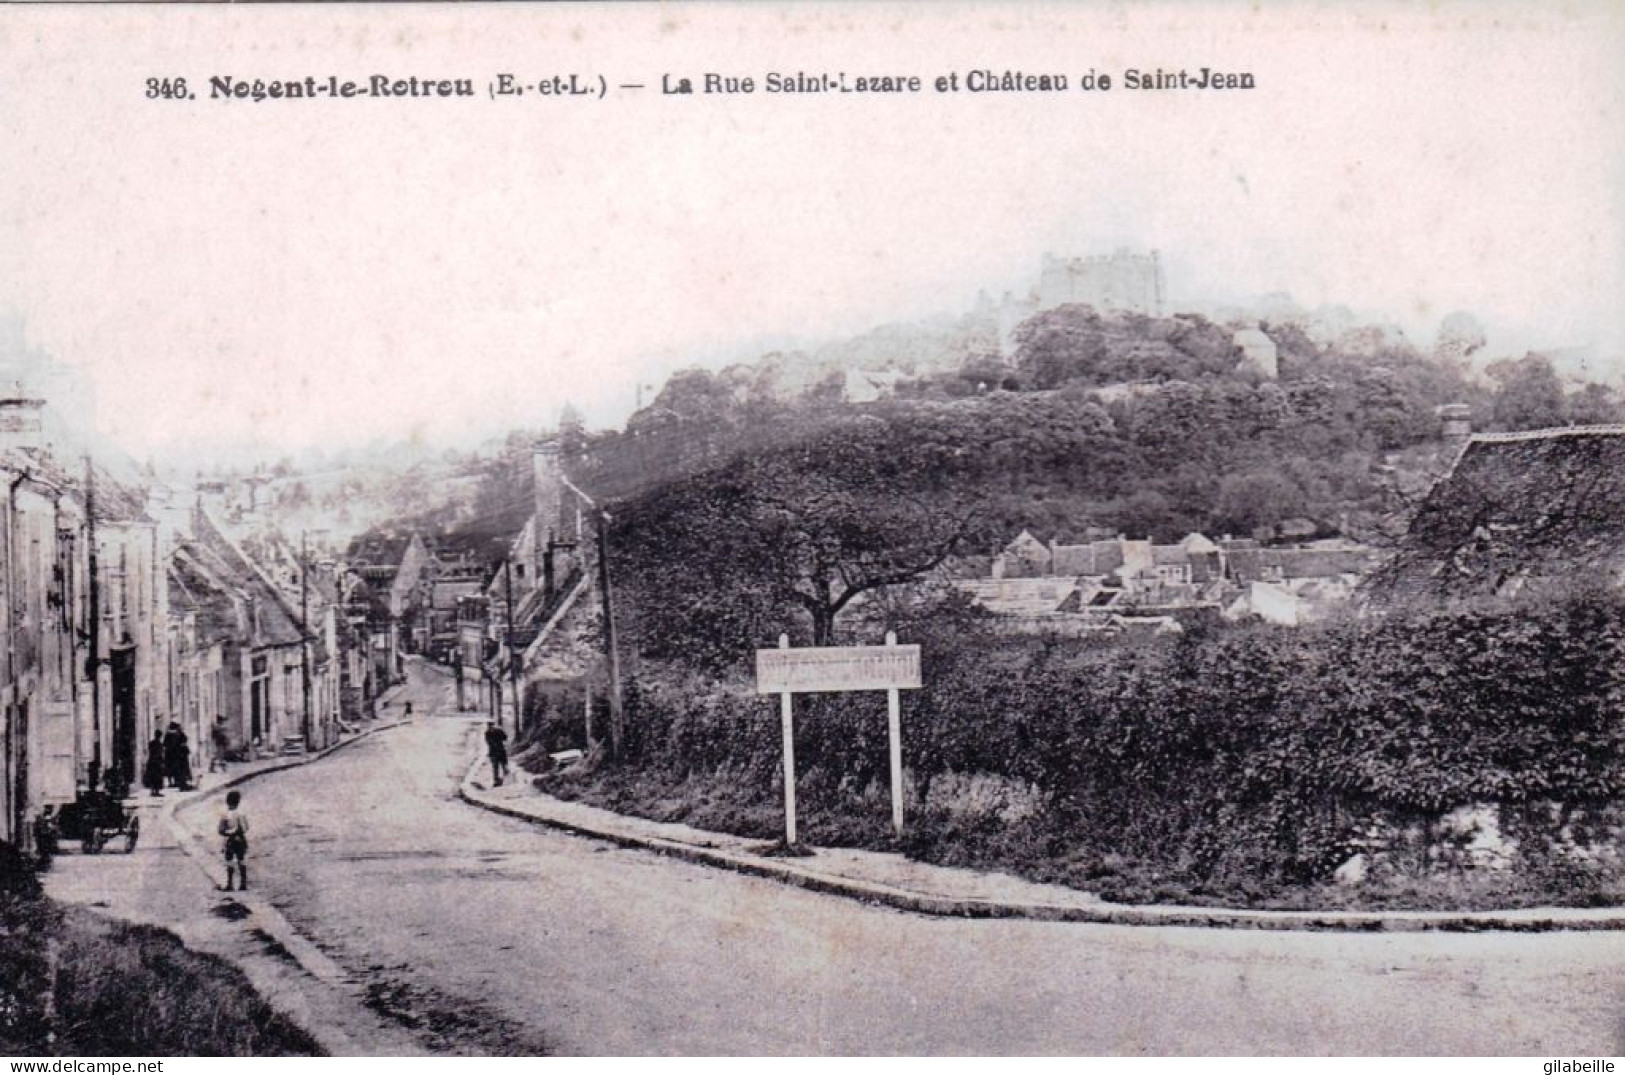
column 496, row 745
column 234, row 829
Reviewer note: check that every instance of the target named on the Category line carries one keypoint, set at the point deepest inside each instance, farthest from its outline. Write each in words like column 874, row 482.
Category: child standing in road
column 234, row 829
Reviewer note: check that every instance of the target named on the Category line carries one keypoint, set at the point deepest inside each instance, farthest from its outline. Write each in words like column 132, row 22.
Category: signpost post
column 894, row 731
column 785, row 671
column 788, row 730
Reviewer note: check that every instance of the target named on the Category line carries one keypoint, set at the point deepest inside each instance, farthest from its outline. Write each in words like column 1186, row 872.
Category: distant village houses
column 1122, row 583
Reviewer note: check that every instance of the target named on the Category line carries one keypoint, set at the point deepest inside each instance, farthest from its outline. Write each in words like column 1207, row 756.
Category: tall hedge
column 1266, row 752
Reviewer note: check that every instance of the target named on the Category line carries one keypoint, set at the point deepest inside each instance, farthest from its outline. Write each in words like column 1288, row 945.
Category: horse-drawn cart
column 95, row 818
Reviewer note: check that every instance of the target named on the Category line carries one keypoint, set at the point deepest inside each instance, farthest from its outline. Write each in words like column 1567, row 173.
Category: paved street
column 489, row 934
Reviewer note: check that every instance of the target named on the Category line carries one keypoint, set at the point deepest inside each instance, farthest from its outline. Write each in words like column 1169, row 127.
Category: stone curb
column 1104, row 914
column 283, row 766
column 312, row 959
column 264, row 916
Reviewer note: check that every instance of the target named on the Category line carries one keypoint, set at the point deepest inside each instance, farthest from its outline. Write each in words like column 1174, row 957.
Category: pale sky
column 283, row 274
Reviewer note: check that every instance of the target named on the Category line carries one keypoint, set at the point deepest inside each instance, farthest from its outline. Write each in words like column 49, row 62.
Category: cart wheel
column 132, row 834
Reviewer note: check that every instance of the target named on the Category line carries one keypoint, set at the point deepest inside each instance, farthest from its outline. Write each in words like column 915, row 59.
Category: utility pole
column 617, row 724
column 512, row 657
column 93, row 662
column 304, row 627
column 612, row 653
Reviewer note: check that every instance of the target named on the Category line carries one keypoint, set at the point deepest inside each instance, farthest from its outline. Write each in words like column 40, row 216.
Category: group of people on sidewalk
column 169, row 757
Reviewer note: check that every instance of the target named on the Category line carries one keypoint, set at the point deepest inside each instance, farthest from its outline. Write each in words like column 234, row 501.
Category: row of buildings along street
column 138, row 602
column 136, row 609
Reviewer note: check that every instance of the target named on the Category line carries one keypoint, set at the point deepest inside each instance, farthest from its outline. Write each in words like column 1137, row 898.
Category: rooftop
column 1516, row 509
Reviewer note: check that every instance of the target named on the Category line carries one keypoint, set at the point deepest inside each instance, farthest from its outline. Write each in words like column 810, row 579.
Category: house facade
column 43, row 743
column 86, row 642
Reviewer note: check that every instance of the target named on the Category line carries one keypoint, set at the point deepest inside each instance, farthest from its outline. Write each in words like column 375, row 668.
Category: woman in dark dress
column 178, row 757
column 153, row 775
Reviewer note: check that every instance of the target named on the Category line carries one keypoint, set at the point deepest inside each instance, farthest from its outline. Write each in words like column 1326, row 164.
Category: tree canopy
column 786, row 540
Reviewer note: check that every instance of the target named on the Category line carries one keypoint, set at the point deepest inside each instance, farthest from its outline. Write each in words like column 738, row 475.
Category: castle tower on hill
column 1122, row 281
column 1119, row 282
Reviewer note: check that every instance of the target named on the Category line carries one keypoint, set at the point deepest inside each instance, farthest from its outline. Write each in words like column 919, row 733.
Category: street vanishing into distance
column 507, row 937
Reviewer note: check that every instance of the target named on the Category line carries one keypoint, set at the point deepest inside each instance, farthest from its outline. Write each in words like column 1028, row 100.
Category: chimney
column 211, row 498
column 21, row 423
column 1457, row 419
column 547, row 474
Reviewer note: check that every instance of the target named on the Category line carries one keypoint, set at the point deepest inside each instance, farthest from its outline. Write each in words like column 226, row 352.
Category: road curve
column 487, row 934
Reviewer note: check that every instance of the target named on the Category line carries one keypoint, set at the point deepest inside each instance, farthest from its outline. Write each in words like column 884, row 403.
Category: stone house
column 264, row 644
column 43, row 744
column 86, row 645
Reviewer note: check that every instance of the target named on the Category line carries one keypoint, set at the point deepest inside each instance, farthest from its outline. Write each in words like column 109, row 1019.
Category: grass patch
column 73, row 983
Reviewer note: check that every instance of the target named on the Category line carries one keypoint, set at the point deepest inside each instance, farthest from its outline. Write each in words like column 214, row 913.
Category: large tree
column 849, row 515
column 790, row 538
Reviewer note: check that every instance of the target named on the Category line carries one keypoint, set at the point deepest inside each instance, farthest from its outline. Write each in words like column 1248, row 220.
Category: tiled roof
column 379, row 550
column 1017, row 597
column 116, row 501
column 195, row 587
column 1516, row 509
column 445, row 593
column 1095, row 558
column 1318, row 563
column 275, row 622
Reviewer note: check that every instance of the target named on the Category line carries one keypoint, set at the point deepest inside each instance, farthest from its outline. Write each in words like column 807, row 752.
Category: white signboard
column 837, row 668
column 787, row 672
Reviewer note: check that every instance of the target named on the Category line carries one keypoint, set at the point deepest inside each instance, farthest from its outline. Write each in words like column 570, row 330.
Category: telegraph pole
column 512, row 657
column 93, row 662
column 617, row 723
column 612, row 653
column 304, row 627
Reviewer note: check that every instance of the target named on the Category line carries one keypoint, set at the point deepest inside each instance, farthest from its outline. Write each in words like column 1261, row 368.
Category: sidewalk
column 159, row 884
column 892, row 880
